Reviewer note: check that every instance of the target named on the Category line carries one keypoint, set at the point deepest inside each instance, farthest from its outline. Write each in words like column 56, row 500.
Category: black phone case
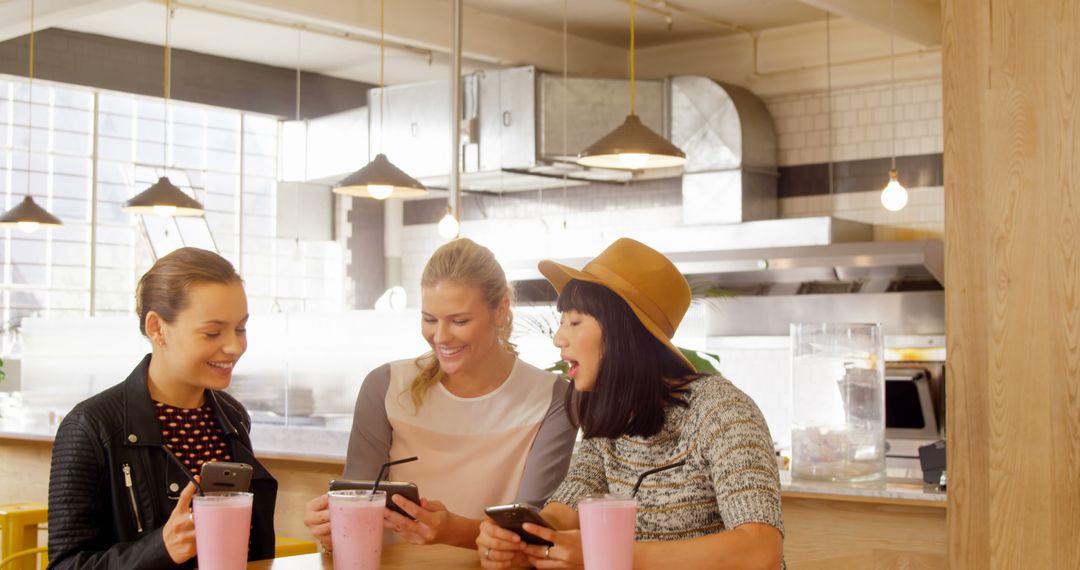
column 218, row 476
column 407, row 490
column 511, row 517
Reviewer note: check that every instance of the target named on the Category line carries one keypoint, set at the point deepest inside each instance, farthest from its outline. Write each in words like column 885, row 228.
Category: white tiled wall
column 922, row 218
column 862, row 123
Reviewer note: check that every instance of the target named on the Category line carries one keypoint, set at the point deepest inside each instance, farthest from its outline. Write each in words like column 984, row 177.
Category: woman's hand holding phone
column 432, row 524
column 565, row 553
column 500, row 548
column 179, row 531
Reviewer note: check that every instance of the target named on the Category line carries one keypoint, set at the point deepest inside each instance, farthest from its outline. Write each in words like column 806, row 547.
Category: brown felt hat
column 655, row 290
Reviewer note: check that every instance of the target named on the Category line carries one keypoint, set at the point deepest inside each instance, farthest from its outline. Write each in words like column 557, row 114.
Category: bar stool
column 19, row 529
column 285, row 546
column 26, row 556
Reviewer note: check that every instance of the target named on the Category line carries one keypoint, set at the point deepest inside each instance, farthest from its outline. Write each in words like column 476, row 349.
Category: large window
column 90, row 151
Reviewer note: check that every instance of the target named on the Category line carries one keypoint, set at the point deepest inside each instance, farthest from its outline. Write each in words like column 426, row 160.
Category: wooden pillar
column 1012, row 215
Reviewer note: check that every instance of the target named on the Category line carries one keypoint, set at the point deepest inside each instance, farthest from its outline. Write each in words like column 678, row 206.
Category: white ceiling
column 340, row 37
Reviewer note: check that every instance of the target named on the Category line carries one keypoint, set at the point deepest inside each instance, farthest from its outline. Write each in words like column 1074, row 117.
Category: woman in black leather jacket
column 116, row 500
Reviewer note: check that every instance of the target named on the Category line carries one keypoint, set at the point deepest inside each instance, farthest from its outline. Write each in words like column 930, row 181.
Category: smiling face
column 460, row 327
column 205, row 340
column 581, row 344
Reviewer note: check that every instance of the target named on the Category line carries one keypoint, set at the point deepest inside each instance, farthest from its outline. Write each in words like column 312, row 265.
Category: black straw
column 169, row 453
column 382, row 471
column 651, row 471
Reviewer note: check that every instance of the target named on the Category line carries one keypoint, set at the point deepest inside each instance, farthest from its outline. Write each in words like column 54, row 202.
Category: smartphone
column 407, row 490
column 217, row 476
column 512, row 516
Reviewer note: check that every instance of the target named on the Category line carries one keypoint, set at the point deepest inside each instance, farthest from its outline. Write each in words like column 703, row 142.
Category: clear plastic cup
column 838, row 402
column 607, row 531
column 222, row 527
column 356, row 528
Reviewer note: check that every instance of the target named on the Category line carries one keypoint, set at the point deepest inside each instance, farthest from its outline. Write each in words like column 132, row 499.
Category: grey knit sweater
column 729, row 479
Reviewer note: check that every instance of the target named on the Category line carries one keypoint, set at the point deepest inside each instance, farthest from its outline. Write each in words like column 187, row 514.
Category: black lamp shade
column 28, row 212
column 163, row 198
column 391, row 182
column 632, row 146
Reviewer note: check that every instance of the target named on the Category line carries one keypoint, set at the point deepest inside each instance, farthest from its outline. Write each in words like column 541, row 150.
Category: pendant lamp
column 163, row 197
column 632, row 146
column 894, row 196
column 380, row 179
column 28, row 216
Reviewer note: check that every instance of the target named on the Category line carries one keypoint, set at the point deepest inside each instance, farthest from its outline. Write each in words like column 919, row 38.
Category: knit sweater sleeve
column 737, row 446
column 586, row 475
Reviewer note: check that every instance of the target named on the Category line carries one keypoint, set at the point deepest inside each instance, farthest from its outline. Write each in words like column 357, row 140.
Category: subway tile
column 903, row 96
column 857, row 101
column 865, row 117
column 918, row 94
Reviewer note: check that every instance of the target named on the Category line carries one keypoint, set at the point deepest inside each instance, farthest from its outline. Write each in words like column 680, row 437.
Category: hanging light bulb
column 894, row 197
column 27, row 215
column 449, row 225
column 380, row 179
column 632, row 145
column 380, row 191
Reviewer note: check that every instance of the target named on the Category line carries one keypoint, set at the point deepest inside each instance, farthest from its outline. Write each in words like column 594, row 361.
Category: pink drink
column 356, row 527
column 607, row 531
column 222, row 526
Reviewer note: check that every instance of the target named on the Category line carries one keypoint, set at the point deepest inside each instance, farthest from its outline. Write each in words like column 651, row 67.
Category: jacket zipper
column 131, row 493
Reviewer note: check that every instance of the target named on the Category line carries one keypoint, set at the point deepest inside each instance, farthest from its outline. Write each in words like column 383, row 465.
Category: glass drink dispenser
column 838, row 402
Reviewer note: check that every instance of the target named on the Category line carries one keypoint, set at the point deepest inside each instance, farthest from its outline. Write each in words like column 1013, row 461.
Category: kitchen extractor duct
column 730, row 145
column 523, row 130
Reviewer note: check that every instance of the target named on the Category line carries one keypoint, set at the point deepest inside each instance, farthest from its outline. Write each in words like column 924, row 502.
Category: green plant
column 2, row 373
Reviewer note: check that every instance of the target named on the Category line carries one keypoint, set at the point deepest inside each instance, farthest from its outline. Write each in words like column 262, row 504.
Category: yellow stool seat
column 27, row 556
column 19, row 529
column 285, row 546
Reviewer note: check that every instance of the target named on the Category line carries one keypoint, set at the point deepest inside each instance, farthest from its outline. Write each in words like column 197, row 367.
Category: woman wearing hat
column 641, row 405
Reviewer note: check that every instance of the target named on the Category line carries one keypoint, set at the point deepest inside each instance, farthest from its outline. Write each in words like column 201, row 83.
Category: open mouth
column 223, row 366
column 572, row 367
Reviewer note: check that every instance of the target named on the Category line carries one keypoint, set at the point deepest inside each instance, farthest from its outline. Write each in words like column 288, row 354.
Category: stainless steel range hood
column 759, row 290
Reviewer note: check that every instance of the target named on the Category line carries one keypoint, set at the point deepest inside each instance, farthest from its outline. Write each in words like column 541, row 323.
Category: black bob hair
column 639, row 376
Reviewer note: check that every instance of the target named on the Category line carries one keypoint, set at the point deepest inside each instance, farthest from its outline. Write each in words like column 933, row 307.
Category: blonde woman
column 487, row 428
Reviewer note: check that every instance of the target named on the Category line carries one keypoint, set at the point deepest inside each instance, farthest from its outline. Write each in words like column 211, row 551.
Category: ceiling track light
column 28, row 215
column 380, row 179
column 164, row 198
column 632, row 145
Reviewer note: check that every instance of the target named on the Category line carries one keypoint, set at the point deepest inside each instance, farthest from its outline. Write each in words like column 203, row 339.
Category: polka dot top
column 193, row 434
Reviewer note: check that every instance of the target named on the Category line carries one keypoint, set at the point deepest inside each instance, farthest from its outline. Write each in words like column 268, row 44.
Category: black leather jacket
column 112, row 488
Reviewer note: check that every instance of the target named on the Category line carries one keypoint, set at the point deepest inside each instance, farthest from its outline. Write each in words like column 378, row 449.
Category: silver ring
column 488, row 554
column 191, row 517
column 547, row 552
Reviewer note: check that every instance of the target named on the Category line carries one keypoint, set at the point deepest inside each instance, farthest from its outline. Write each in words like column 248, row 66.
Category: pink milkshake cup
column 356, row 527
column 607, row 531
column 222, row 526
